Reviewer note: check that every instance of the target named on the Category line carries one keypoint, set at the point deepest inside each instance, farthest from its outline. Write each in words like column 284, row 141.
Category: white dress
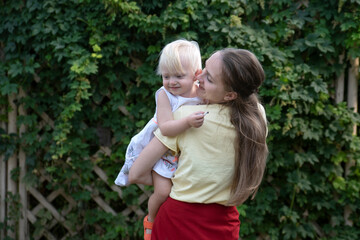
column 167, row 165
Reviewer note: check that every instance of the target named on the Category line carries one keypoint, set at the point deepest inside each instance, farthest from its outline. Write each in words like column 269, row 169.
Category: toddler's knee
column 163, row 193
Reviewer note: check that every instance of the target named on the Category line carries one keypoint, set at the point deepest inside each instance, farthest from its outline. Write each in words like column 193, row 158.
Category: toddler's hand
column 196, row 119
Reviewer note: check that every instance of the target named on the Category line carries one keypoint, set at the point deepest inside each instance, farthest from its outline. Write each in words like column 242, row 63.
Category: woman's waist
column 201, row 194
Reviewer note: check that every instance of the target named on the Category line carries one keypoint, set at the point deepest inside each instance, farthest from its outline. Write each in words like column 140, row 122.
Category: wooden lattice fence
column 54, row 204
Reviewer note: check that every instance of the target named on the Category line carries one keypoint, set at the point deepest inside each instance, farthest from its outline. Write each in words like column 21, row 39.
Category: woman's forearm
column 140, row 172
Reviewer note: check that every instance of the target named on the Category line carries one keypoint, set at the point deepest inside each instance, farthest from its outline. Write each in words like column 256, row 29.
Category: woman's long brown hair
column 243, row 74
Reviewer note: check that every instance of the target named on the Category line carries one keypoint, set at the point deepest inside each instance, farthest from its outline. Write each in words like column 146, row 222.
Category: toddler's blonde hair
column 177, row 53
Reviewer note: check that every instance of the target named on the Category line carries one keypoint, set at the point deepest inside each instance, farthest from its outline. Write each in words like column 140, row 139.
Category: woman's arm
column 170, row 127
column 140, row 172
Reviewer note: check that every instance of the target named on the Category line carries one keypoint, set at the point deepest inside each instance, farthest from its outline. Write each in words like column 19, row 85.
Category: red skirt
column 182, row 221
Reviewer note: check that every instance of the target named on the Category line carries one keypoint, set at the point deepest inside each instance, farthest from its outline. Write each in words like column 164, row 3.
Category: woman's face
column 211, row 87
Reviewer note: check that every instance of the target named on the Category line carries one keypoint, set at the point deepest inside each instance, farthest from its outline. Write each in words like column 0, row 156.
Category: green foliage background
column 90, row 65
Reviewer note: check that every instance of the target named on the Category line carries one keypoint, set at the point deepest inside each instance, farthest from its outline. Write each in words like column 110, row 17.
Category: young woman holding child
column 221, row 163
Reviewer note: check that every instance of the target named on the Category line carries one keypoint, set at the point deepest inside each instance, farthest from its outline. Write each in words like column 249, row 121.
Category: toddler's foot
column 147, row 228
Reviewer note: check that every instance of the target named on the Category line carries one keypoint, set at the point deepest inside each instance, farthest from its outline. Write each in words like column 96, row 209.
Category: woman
column 221, row 163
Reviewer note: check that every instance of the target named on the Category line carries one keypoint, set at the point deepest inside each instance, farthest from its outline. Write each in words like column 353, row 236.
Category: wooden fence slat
column 48, row 235
column 117, row 189
column 44, row 232
column 352, row 99
column 340, row 83
column 71, row 201
column 47, row 119
column 2, row 194
column 100, row 201
column 104, row 177
column 353, row 76
column 50, row 208
column 23, row 226
column 49, row 198
column 12, row 162
column 46, row 204
column 31, row 217
column 3, row 169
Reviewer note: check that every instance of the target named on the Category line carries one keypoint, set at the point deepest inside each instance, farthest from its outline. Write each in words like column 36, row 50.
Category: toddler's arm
column 170, row 127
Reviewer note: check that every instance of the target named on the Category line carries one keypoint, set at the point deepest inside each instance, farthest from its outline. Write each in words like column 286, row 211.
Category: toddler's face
column 180, row 84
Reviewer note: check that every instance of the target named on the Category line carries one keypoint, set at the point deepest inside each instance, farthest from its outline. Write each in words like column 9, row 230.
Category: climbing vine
column 90, row 66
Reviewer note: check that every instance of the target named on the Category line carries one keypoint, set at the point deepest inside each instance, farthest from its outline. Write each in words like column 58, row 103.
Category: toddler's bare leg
column 162, row 187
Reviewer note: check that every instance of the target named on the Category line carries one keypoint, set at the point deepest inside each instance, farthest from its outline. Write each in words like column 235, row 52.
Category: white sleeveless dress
column 167, row 165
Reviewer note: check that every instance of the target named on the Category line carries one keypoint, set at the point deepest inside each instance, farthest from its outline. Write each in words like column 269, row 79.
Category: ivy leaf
column 325, row 47
column 15, row 69
column 82, row 195
column 84, row 65
column 319, row 86
column 242, row 210
column 8, row 88
column 273, row 112
column 302, row 158
column 339, row 183
column 311, row 39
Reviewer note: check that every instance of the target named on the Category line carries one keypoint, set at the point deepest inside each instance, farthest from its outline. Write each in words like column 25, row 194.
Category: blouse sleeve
column 169, row 142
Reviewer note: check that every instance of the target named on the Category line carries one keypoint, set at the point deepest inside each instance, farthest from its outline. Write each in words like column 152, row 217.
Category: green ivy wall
column 90, row 66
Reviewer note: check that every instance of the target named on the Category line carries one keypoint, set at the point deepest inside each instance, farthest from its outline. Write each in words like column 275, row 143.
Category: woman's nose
column 198, row 72
column 200, row 78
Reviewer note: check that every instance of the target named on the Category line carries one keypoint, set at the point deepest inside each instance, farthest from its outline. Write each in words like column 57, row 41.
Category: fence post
column 23, row 226
column 352, row 97
column 340, row 83
column 353, row 76
column 2, row 184
column 3, row 165
column 12, row 162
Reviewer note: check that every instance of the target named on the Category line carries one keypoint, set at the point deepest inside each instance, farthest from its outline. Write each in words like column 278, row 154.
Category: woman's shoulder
column 204, row 107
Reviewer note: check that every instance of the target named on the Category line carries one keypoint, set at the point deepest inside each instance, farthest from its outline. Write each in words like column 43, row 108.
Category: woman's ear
column 230, row 96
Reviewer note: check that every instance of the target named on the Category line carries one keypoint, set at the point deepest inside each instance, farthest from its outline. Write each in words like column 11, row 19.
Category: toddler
column 179, row 64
